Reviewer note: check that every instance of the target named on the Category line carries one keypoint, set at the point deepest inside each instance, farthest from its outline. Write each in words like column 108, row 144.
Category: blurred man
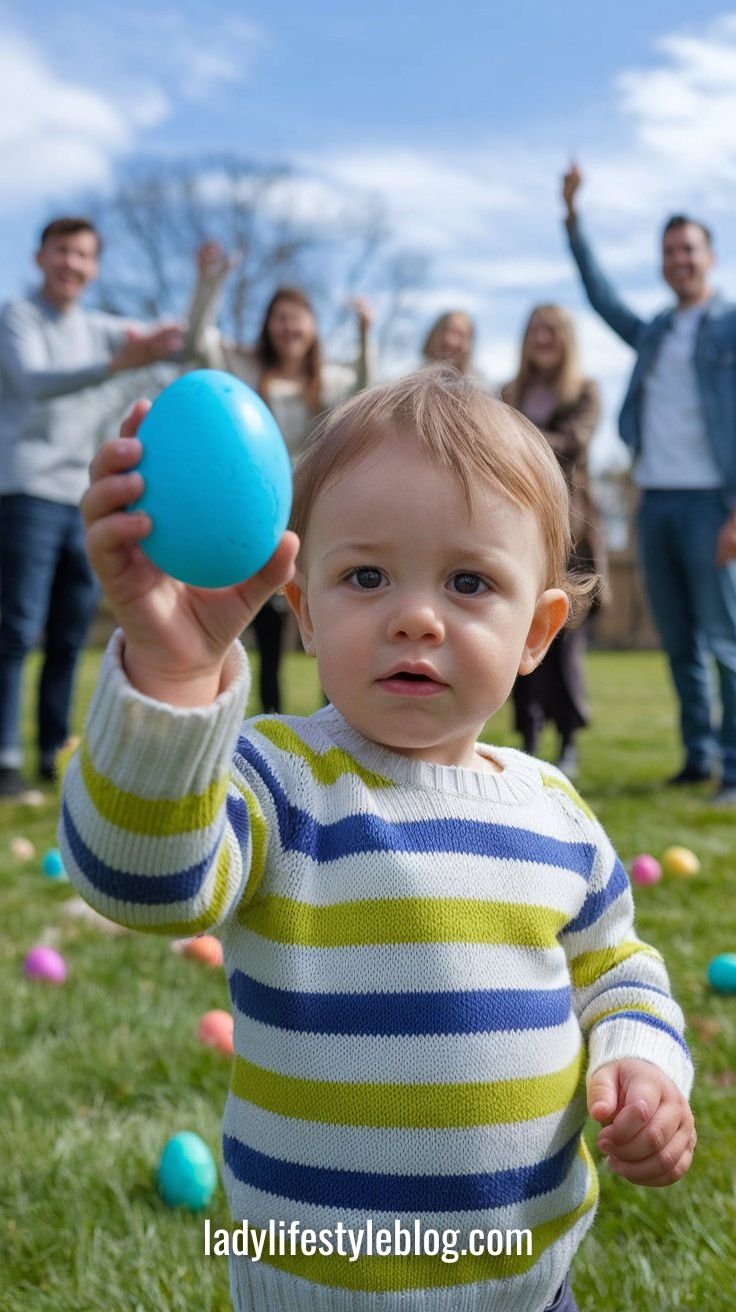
column 679, row 420
column 53, row 357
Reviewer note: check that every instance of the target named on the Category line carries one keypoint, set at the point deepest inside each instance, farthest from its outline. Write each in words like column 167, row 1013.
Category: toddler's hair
column 462, row 428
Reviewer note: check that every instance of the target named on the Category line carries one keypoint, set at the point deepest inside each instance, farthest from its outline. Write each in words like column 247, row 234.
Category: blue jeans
column 563, row 1300
column 694, row 608
column 47, row 590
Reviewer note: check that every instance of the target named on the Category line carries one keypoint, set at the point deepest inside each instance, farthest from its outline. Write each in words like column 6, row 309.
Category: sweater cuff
column 156, row 750
column 622, row 1038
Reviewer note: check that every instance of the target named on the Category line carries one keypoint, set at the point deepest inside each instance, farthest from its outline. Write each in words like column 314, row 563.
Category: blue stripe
column 596, row 903
column 375, row 1192
column 467, row 1012
column 145, row 890
column 645, row 1019
column 359, row 833
column 237, row 814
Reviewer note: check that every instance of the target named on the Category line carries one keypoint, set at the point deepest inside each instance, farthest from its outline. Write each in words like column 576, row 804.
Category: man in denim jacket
column 679, row 421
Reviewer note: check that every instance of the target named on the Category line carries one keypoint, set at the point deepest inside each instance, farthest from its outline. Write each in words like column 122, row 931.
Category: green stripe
column 154, row 817
column 392, row 1274
column 326, row 767
column 196, row 924
column 373, row 921
column 551, row 781
column 590, row 966
column 408, row 1106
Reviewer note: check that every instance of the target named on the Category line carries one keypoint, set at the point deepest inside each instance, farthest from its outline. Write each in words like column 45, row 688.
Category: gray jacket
column 52, row 365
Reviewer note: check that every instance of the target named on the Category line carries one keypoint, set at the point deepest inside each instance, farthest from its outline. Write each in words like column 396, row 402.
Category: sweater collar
column 518, row 781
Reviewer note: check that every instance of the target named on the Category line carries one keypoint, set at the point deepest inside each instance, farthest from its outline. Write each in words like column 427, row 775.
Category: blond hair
column 429, row 349
column 463, row 429
column 568, row 380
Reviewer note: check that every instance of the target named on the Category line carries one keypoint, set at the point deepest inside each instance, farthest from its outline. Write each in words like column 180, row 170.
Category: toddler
column 428, row 940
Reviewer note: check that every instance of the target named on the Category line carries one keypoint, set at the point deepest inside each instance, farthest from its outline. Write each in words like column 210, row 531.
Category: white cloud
column 57, row 136
column 436, row 200
column 223, row 54
column 197, row 56
column 53, row 134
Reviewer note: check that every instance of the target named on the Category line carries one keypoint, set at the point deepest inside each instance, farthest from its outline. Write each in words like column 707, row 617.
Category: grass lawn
column 95, row 1076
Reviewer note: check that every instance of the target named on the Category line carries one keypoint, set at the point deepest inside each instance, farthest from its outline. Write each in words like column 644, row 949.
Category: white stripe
column 400, row 967
column 390, row 874
column 258, row 1285
column 426, row 1059
column 404, row 1151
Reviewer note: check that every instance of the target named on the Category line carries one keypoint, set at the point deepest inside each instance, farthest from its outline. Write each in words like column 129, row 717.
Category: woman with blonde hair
column 552, row 392
column 286, row 367
column 450, row 340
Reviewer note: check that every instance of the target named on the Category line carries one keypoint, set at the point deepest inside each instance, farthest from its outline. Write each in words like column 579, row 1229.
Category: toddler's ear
column 550, row 614
column 296, row 595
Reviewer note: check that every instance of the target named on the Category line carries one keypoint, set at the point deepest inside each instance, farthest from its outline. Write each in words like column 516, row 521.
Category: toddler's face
column 421, row 613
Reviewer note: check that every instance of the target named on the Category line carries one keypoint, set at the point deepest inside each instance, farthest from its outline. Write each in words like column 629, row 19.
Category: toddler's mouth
column 412, row 682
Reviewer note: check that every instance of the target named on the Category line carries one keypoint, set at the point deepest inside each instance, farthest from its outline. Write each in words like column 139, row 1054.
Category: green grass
column 96, row 1075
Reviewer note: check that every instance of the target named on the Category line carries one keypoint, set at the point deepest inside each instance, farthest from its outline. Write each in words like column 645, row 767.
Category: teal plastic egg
column 53, row 866
column 187, row 1175
column 722, row 973
column 217, row 480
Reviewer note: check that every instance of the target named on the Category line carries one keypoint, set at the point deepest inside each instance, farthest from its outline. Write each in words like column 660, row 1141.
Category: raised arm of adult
column 571, row 183
column 203, row 340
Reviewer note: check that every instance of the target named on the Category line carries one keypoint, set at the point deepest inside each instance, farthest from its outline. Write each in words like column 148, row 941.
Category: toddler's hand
column 649, row 1133
column 176, row 636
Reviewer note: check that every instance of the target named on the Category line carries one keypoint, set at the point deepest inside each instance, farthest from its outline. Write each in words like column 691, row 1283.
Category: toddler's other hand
column 649, row 1133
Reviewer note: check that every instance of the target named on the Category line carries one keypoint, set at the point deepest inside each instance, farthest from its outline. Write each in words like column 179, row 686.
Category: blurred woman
column 286, row 368
column 550, row 390
column 450, row 340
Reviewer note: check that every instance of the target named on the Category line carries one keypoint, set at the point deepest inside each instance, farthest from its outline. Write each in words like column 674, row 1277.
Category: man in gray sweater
column 54, row 355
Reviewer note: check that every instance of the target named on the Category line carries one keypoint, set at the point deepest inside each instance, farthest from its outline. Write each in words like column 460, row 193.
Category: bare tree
column 283, row 225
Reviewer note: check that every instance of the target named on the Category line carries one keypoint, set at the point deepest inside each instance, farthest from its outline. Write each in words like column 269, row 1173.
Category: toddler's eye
column 366, row 577
column 469, row 585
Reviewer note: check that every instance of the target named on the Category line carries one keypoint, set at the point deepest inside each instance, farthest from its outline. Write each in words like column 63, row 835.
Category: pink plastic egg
column 45, row 963
column 216, row 1031
column 645, row 869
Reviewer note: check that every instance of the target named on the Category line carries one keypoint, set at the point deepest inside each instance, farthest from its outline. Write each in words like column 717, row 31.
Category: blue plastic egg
column 217, row 480
column 722, row 973
column 53, row 866
column 187, row 1175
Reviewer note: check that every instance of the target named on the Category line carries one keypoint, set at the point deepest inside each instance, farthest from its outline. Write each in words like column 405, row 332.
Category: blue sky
column 461, row 118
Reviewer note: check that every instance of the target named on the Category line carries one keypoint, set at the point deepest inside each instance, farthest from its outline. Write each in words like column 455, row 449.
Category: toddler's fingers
column 629, row 1122
column 650, row 1139
column 111, row 538
column 113, row 457
column 255, row 592
column 662, row 1168
column 603, row 1093
column 134, row 418
column 109, row 494
column 275, row 573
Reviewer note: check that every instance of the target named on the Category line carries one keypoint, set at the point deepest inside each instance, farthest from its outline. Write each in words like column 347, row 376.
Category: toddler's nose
column 415, row 618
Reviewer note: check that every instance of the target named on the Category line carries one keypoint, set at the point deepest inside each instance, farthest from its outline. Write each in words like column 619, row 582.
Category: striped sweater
column 424, row 962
